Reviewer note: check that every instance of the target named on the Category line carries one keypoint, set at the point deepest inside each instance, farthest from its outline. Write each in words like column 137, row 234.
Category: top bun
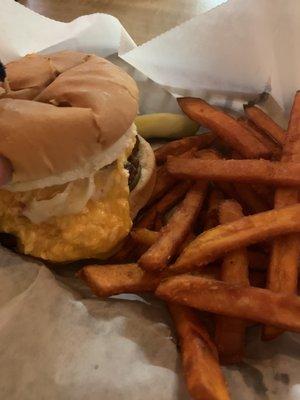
column 63, row 110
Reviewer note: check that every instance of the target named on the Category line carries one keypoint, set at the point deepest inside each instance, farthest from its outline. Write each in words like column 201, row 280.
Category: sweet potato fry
column 177, row 147
column 147, row 220
column 159, row 223
column 212, row 214
column 230, row 332
column 211, row 271
column 256, row 197
column 172, row 197
column 227, row 190
column 201, row 368
column 144, row 236
column 284, row 260
column 174, row 233
column 206, row 154
column 256, row 304
column 126, row 253
column 212, row 244
column 250, row 200
column 258, row 260
column 226, row 127
column 258, row 278
column 164, row 181
column 265, row 123
column 147, row 238
column 235, row 264
column 129, row 251
column 264, row 192
column 283, row 268
column 247, row 171
column 246, row 196
column 158, row 209
column 273, row 147
column 109, row 280
column 189, row 238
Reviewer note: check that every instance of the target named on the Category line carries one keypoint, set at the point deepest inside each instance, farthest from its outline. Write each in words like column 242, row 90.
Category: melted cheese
column 93, row 232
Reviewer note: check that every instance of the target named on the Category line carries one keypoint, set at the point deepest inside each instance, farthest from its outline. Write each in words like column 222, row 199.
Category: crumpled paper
column 57, row 345
column 57, row 341
column 238, row 48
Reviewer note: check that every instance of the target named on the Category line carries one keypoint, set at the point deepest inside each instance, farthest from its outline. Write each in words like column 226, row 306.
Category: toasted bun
column 64, row 110
column 143, row 190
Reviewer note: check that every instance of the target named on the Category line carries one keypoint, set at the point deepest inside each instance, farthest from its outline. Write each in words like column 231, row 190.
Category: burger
column 80, row 171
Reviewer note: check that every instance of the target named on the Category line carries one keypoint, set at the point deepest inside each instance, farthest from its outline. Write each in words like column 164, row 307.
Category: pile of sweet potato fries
column 221, row 235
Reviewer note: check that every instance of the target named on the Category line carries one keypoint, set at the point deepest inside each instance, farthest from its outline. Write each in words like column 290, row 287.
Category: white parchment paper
column 241, row 47
column 57, row 341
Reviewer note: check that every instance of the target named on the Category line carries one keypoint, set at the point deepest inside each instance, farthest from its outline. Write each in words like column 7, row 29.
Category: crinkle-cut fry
column 158, row 209
column 213, row 244
column 246, row 171
column 226, row 127
column 201, row 368
column 222, row 298
column 144, row 236
column 177, row 147
column 174, row 233
column 283, row 267
column 110, row 280
column 273, row 147
column 265, row 123
column 249, row 199
column 165, row 181
column 230, row 332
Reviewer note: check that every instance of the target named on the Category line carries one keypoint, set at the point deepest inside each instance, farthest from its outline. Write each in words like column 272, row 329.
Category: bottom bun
column 89, row 234
column 141, row 194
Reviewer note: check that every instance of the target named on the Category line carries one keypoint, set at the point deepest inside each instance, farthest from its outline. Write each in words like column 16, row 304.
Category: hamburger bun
column 82, row 106
column 67, row 128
